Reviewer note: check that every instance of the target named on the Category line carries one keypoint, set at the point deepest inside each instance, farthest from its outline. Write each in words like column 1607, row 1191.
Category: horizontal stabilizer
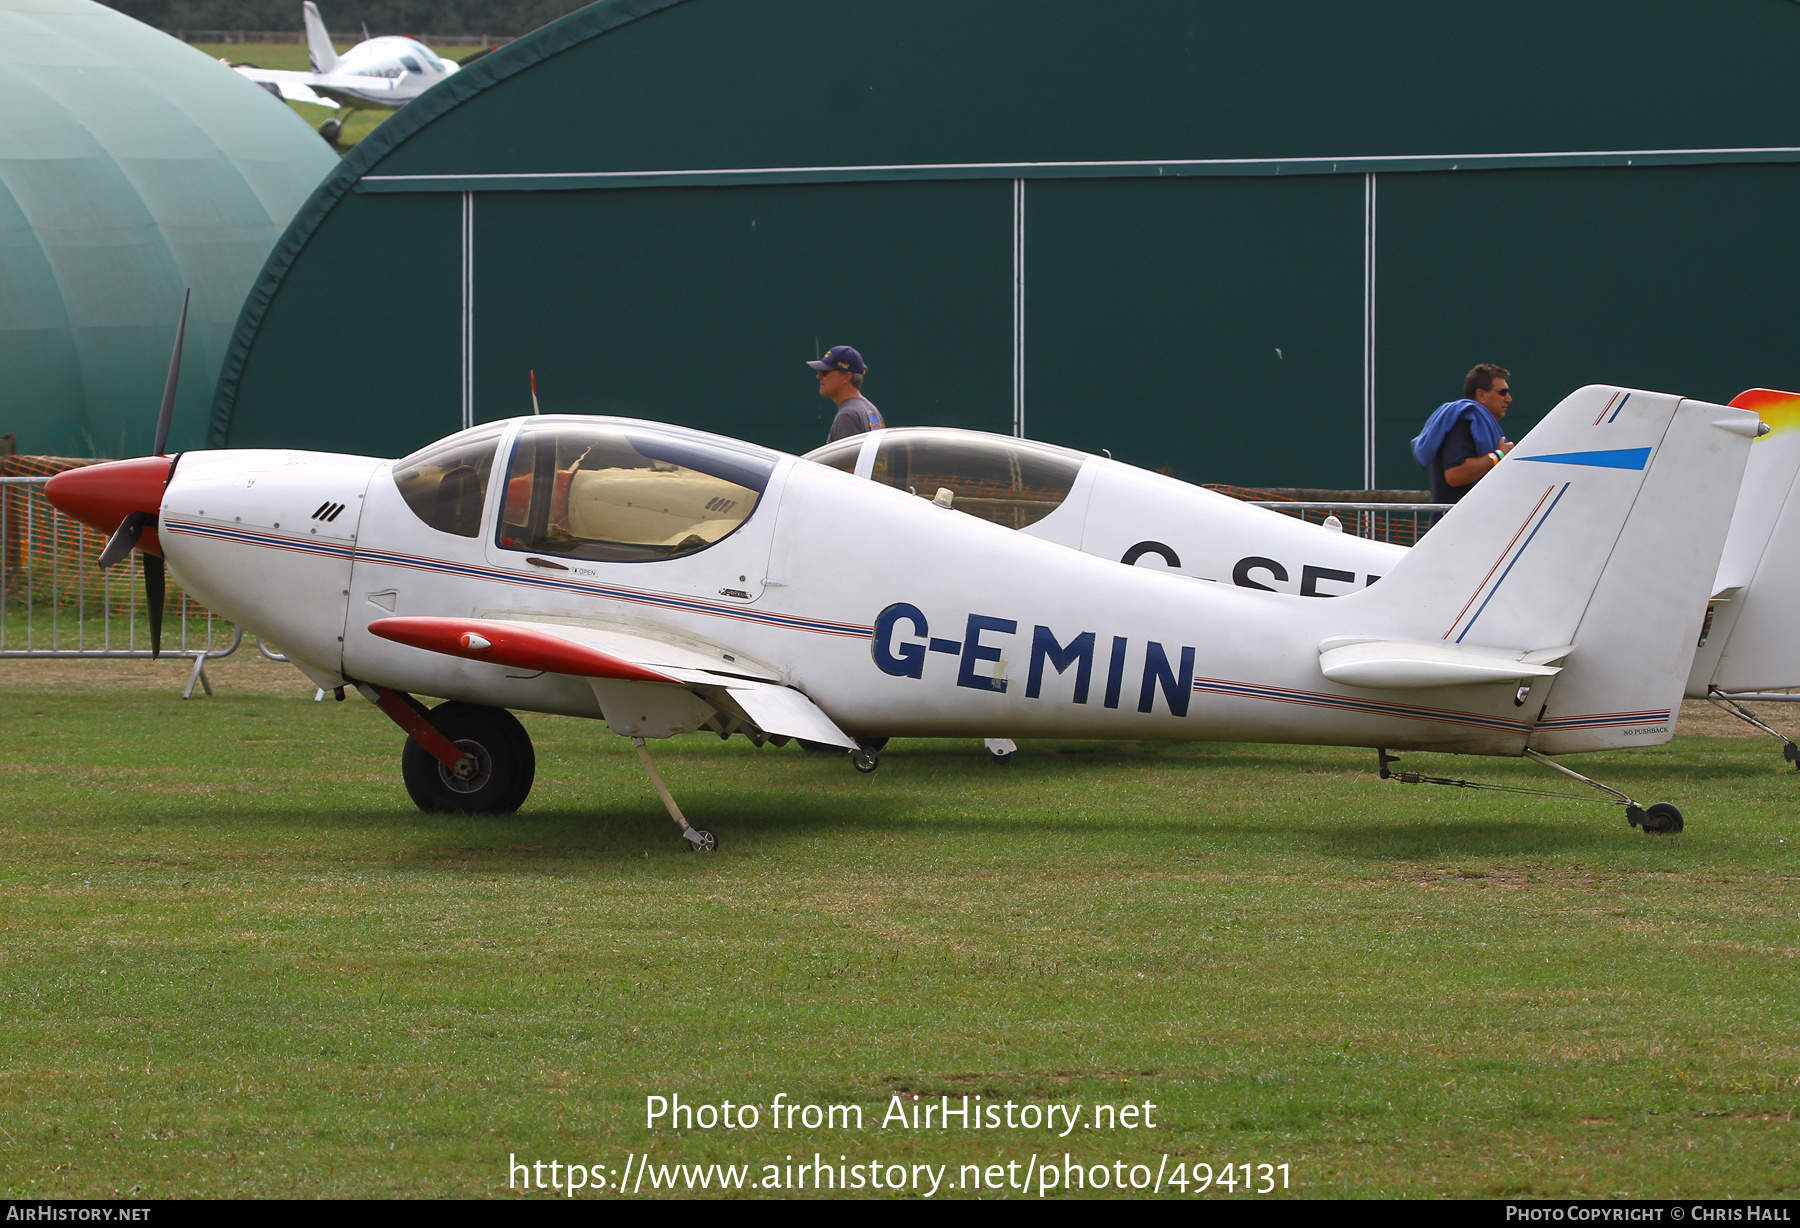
column 1394, row 665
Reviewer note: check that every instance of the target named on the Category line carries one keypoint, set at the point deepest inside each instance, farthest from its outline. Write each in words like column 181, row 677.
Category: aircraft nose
column 102, row 495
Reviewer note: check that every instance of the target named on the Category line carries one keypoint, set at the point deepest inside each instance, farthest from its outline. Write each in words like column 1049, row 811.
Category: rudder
column 1623, row 683
column 318, row 40
column 1751, row 645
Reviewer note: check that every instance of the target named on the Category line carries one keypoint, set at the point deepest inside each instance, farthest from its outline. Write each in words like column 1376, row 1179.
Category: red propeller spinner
column 102, row 496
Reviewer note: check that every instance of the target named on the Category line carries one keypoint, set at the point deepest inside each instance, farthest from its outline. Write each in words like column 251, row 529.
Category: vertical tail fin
column 1752, row 645
column 318, row 40
column 1603, row 530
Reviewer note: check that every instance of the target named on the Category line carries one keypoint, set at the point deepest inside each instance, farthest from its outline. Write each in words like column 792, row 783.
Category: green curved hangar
column 131, row 167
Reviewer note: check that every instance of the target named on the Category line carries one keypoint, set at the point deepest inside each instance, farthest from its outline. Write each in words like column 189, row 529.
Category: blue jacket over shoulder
column 1482, row 424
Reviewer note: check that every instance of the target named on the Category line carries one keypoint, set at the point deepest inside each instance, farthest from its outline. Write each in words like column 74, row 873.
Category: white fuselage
column 408, row 64
column 1146, row 655
column 900, row 617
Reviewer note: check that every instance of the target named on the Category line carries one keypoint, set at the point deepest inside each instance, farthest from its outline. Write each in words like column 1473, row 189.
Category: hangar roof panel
column 938, row 82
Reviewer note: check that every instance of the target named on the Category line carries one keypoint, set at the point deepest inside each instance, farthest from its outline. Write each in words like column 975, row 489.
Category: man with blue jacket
column 1462, row 440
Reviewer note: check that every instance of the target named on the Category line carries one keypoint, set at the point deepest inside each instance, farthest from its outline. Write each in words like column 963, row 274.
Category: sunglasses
column 1505, row 392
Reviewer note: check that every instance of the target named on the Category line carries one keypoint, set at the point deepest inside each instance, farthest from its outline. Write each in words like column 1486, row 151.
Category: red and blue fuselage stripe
column 1213, row 686
column 670, row 601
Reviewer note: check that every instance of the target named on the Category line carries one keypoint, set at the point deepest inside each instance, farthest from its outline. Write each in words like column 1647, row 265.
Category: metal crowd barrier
column 56, row 603
column 1399, row 524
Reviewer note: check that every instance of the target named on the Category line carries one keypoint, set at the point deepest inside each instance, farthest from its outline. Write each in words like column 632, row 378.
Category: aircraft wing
column 284, row 79
column 736, row 689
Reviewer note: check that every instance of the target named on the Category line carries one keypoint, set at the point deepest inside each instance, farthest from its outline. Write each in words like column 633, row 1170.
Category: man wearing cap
column 841, row 374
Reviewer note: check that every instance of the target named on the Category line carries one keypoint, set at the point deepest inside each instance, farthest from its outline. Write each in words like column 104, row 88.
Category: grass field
column 236, row 961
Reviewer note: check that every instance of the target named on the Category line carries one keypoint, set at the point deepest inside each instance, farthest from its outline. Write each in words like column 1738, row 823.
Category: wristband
column 1497, row 455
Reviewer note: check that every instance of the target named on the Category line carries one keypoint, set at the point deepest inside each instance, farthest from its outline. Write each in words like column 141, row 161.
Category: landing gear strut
column 1789, row 751
column 700, row 839
column 1659, row 819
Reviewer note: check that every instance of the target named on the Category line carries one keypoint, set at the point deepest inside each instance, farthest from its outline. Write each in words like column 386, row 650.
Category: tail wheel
column 1662, row 819
column 504, row 764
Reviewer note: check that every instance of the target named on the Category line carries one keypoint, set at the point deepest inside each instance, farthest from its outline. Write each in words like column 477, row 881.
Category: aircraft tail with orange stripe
column 1749, row 643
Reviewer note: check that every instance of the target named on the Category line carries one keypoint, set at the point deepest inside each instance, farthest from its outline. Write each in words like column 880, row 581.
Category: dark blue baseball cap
column 840, row 358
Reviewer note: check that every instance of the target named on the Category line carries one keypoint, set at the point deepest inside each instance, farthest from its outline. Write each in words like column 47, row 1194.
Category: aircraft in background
column 667, row 581
column 1119, row 511
column 389, row 71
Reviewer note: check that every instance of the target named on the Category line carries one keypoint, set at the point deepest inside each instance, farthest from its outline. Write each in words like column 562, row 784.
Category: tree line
column 501, row 17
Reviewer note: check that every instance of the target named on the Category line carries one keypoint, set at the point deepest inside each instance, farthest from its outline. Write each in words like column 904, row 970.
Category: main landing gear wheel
column 495, row 779
column 867, row 756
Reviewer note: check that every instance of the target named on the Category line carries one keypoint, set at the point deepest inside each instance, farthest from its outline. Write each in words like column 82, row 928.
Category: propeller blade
column 125, row 537
column 153, row 594
column 167, row 413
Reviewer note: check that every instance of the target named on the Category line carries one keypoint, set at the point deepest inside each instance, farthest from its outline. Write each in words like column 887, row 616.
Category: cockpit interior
column 1009, row 482
column 598, row 490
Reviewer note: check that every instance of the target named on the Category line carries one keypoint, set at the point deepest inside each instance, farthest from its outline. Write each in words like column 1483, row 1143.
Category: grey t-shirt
column 854, row 417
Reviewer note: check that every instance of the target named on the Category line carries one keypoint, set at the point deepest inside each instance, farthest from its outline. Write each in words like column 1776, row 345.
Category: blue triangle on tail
column 1619, row 458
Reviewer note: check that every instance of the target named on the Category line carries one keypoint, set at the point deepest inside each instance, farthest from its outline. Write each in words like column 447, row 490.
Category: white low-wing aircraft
column 1105, row 507
column 380, row 72
column 665, row 581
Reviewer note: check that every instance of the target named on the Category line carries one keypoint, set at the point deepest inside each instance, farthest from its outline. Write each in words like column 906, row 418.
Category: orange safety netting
column 38, row 537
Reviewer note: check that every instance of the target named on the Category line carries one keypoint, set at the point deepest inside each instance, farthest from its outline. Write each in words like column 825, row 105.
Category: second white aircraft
column 380, row 72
